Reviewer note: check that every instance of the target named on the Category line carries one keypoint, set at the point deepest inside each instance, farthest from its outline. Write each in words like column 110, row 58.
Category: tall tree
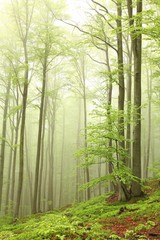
column 48, row 49
column 23, row 10
column 3, row 141
column 79, row 61
column 39, row 142
column 136, row 35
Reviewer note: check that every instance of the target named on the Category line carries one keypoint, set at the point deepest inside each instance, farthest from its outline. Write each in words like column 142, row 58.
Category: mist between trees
column 80, row 102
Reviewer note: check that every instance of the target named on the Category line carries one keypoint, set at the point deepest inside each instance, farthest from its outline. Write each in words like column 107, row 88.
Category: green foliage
column 92, row 219
column 114, row 236
column 104, row 140
column 131, row 234
column 156, row 169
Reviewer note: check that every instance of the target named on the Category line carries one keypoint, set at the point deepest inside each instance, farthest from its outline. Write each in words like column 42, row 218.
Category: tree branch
column 96, row 60
column 83, row 31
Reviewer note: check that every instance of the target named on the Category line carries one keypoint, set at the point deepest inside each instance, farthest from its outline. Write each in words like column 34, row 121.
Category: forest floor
column 100, row 218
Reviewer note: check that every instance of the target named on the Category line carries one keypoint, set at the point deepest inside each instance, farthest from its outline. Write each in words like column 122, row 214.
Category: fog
column 60, row 116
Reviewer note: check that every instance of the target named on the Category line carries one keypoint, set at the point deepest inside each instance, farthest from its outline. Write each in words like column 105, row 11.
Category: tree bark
column 16, row 127
column 22, row 134
column 149, row 125
column 122, row 189
column 39, row 141
column 42, row 157
column 136, row 36
column 3, row 143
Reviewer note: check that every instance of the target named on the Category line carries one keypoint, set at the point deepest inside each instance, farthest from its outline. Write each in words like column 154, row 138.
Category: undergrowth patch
column 90, row 220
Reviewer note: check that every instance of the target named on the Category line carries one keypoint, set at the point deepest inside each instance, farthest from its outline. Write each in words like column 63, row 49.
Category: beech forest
column 79, row 119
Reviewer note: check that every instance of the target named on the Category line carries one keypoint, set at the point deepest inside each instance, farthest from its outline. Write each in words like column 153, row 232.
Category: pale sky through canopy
column 77, row 9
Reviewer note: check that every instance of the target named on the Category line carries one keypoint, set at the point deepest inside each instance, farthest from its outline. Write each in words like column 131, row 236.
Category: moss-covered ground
column 99, row 218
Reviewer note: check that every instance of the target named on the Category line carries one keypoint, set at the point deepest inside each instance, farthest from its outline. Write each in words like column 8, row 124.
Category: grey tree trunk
column 7, row 202
column 16, row 127
column 122, row 189
column 23, row 27
column 120, row 73
column 3, row 142
column 29, row 174
column 149, row 125
column 62, row 161
column 22, row 135
column 42, row 157
column 83, row 79
column 129, row 101
column 39, row 141
column 137, row 51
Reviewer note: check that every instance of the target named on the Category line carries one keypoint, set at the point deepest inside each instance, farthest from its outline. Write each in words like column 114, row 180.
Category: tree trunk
column 29, row 173
column 149, row 125
column 51, row 123
column 51, row 168
column 21, row 156
column 42, row 157
column 62, row 161
column 87, row 175
column 109, row 166
column 129, row 102
column 16, row 126
column 137, row 51
column 39, row 141
column 3, row 143
column 22, row 132
column 7, row 206
column 122, row 189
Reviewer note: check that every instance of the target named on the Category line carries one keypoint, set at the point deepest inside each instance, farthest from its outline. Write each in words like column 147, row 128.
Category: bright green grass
column 81, row 220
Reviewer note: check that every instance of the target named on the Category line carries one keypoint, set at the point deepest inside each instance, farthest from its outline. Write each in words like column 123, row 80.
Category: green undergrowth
column 93, row 219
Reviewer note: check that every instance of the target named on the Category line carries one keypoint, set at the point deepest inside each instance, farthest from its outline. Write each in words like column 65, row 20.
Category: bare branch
column 83, row 31
column 104, row 18
column 96, row 60
column 102, row 6
column 90, row 34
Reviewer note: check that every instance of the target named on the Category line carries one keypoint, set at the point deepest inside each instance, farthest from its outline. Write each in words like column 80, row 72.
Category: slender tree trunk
column 62, row 161
column 129, row 86
column 42, row 157
column 15, row 154
column 51, row 156
column 7, row 206
column 79, row 195
column 149, row 125
column 109, row 166
column 137, row 51
column 3, row 143
column 120, row 73
column 22, row 132
column 44, row 185
column 23, row 27
column 51, row 170
column 28, row 172
column 122, row 189
column 39, row 141
column 86, row 145
column 129, row 103
column 87, row 174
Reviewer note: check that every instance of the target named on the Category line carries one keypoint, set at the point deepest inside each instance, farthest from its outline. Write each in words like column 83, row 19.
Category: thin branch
column 104, row 18
column 96, row 60
column 83, row 31
column 100, row 48
column 90, row 34
column 114, row 2
column 102, row 6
